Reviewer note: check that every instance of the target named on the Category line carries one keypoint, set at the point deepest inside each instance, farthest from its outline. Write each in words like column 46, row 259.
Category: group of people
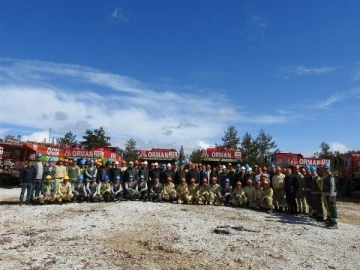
column 308, row 190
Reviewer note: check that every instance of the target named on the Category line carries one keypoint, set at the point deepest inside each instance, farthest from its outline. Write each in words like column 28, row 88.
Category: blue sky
column 179, row 72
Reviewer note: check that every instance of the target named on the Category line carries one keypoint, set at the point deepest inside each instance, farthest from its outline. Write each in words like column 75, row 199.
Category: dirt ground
column 137, row 235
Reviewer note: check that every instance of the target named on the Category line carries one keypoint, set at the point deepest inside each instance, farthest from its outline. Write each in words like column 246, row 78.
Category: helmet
column 131, row 163
column 66, row 177
column 227, row 180
column 109, row 160
column 156, row 164
column 145, row 162
column 264, row 169
column 256, row 166
column 184, row 180
column 229, row 164
column 238, row 166
column 75, row 160
column 326, row 166
column 48, row 177
column 176, row 163
column 94, row 176
column 266, row 182
column 66, row 160
column 247, row 166
column 123, row 162
column 278, row 168
column 183, row 162
column 142, row 177
column 80, row 177
column 313, row 169
column 51, row 159
column 136, row 162
column 38, row 155
column 243, row 168
column 117, row 163
column 192, row 180
column 168, row 165
column 204, row 180
column 223, row 166
column 117, row 177
column 106, row 178
column 249, row 181
column 130, row 176
column 169, row 179
column 238, row 183
column 92, row 161
column 273, row 166
column 307, row 167
column 82, row 162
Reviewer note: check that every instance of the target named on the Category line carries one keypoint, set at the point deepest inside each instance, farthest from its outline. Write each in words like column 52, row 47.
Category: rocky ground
column 137, row 235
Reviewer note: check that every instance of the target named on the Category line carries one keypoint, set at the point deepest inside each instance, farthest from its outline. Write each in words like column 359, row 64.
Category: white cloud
column 118, row 14
column 288, row 71
column 336, row 146
column 329, row 101
column 257, row 25
column 127, row 108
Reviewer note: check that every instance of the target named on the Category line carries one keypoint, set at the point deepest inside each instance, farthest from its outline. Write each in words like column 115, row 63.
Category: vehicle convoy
column 349, row 174
column 16, row 152
column 291, row 159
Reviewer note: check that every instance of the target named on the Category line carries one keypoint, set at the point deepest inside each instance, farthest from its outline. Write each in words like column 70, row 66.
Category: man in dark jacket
column 27, row 180
column 291, row 187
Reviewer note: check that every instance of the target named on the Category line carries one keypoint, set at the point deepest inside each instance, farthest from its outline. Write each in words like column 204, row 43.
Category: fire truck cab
column 349, row 174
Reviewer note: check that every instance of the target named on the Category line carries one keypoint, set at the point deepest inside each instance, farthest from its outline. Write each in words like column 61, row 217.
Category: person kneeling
column 48, row 192
column 183, row 192
column 91, row 189
column 79, row 190
column 116, row 189
column 267, row 200
column 169, row 191
column 239, row 197
column 143, row 189
column 104, row 189
column 64, row 189
column 156, row 191
column 131, row 189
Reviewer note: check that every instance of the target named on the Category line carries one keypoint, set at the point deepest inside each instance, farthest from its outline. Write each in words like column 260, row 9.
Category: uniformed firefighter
column 193, row 189
column 143, row 189
column 259, row 195
column 204, row 192
column 73, row 171
column 131, row 188
column 267, row 200
column 300, row 194
column 250, row 193
column 38, row 165
column 182, row 191
column 49, row 169
column 316, row 197
column 104, row 189
column 79, row 190
column 91, row 188
column 329, row 195
column 225, row 194
column 215, row 189
column 90, row 171
column 278, row 183
column 291, row 187
column 239, row 197
column 169, row 191
column 60, row 171
column 117, row 189
column 307, row 188
column 156, row 190
column 64, row 190
column 48, row 193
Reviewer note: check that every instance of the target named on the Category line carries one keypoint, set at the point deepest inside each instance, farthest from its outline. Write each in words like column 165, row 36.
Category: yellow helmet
column 48, row 177
column 66, row 177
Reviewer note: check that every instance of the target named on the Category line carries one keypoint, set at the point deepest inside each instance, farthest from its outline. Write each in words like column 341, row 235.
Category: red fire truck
column 291, row 159
column 349, row 174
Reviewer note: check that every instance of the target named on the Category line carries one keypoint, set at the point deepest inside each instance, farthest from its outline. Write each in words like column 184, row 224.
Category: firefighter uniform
column 329, row 194
column 104, row 189
column 193, row 191
column 64, row 190
column 204, row 192
column 239, row 197
column 316, row 198
column 307, row 189
column 48, row 192
column 60, row 172
column 169, row 190
column 182, row 191
column 250, row 193
column 278, row 183
column 214, row 190
column 259, row 194
column 267, row 200
column 300, row 194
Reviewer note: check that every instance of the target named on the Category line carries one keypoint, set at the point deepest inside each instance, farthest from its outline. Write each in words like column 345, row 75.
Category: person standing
column 38, row 165
column 291, row 187
column 27, row 180
column 329, row 195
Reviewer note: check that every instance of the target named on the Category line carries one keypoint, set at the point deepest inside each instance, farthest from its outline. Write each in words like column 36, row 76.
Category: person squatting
column 305, row 191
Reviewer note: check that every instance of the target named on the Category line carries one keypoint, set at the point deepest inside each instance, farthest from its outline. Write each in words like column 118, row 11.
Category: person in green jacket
column 48, row 192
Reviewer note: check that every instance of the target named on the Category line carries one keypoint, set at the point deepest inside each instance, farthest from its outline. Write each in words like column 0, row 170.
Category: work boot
column 332, row 225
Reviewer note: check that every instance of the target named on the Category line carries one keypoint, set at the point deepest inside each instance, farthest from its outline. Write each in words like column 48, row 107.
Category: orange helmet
column 264, row 169
column 238, row 183
column 278, row 168
column 256, row 166
column 192, row 180
column 169, row 179
column 205, row 180
column 136, row 162
column 229, row 164
column 249, row 181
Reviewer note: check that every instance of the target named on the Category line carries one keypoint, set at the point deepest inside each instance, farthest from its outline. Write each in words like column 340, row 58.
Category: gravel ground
column 137, row 235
